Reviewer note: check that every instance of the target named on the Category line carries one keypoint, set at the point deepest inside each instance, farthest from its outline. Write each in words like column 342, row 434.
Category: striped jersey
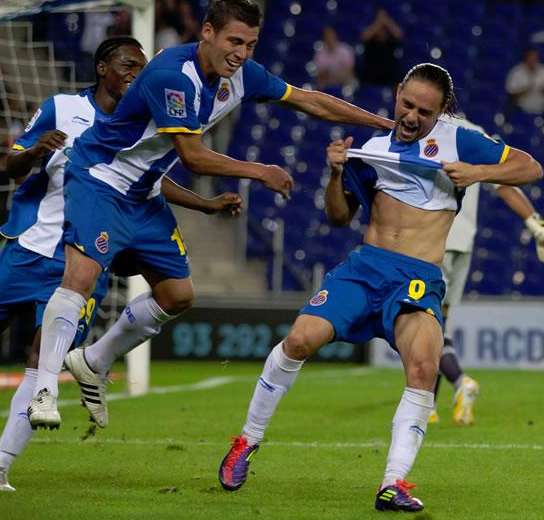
column 132, row 150
column 37, row 214
column 412, row 172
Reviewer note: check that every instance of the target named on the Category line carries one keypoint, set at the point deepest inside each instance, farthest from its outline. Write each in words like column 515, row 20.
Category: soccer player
column 31, row 259
column 409, row 184
column 456, row 267
column 116, row 166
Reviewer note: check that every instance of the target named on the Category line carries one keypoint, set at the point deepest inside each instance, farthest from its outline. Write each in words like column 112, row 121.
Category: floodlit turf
column 159, row 457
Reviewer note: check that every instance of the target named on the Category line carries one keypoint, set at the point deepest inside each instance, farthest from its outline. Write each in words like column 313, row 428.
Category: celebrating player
column 32, row 259
column 116, row 167
column 409, row 183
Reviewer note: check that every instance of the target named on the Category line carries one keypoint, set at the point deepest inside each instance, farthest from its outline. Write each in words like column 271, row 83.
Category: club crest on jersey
column 102, row 243
column 431, row 148
column 35, row 117
column 319, row 299
column 223, row 93
column 175, row 103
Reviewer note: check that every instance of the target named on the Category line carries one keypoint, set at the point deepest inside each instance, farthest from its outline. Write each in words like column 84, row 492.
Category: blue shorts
column 27, row 278
column 102, row 223
column 363, row 295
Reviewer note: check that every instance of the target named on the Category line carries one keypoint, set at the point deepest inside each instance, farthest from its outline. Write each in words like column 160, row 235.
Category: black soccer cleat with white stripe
column 91, row 385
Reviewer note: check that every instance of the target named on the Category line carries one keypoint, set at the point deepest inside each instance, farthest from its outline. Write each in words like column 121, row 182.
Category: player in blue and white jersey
column 31, row 260
column 410, row 184
column 116, row 168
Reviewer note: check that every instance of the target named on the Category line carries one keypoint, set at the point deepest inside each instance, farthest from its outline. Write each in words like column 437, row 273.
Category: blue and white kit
column 32, row 257
column 119, row 163
column 362, row 296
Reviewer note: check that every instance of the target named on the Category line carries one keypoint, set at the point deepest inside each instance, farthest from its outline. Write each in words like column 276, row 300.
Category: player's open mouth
column 407, row 131
column 232, row 64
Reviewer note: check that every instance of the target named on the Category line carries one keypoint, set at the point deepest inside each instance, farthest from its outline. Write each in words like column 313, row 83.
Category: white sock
column 141, row 319
column 17, row 431
column 59, row 329
column 458, row 382
column 409, row 426
column 278, row 375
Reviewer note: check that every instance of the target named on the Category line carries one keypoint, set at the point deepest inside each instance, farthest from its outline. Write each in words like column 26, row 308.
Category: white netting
column 29, row 73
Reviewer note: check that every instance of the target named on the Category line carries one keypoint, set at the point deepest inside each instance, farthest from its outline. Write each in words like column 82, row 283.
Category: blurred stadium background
column 252, row 275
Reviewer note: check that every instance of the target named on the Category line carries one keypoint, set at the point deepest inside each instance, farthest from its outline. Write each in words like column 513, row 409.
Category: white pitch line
column 308, row 445
column 208, row 383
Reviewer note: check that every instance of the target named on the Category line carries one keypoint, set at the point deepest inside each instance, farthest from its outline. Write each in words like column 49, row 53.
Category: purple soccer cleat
column 233, row 469
column 398, row 498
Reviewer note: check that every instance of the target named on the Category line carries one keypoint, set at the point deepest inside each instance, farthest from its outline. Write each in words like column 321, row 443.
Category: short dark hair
column 439, row 77
column 108, row 47
column 221, row 12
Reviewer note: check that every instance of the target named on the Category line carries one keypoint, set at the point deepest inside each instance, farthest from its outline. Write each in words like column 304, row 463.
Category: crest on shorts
column 319, row 299
column 175, row 103
column 102, row 243
column 431, row 148
column 223, row 93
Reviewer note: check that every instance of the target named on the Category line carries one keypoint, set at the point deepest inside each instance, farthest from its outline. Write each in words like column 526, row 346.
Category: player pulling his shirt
column 392, row 287
column 115, row 171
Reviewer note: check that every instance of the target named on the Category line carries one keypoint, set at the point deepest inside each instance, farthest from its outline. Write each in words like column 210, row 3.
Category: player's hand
column 337, row 154
column 535, row 225
column 229, row 203
column 49, row 142
column 462, row 174
column 277, row 179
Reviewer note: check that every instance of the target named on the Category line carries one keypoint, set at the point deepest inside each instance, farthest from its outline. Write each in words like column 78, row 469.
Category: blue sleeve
column 170, row 98
column 179, row 175
column 261, row 85
column 476, row 148
column 359, row 179
column 43, row 120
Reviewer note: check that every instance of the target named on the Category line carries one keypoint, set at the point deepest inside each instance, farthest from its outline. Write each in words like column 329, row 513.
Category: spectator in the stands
column 334, row 61
column 525, row 83
column 176, row 23
column 380, row 62
column 187, row 23
column 122, row 23
column 166, row 34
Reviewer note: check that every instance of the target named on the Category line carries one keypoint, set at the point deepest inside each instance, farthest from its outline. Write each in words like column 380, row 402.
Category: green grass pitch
column 323, row 457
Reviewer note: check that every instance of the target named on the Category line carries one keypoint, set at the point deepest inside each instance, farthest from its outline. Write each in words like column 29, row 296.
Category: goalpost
column 31, row 65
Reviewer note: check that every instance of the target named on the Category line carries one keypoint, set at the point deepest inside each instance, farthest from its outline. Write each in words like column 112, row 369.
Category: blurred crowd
column 376, row 60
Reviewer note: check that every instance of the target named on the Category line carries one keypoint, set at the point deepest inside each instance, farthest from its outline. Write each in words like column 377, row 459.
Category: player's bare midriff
column 411, row 231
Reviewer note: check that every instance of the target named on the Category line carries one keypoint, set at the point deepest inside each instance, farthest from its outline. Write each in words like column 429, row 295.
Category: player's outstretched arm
column 330, row 108
column 339, row 205
column 230, row 203
column 518, row 168
column 516, row 200
column 522, row 206
column 19, row 163
column 203, row 161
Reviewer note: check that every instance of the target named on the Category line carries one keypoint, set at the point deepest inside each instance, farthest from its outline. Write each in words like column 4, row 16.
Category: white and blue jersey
column 32, row 259
column 362, row 296
column 37, row 214
column 131, row 151
column 412, row 172
column 112, row 189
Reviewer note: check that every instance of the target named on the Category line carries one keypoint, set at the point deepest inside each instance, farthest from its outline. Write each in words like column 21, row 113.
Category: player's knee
column 422, row 373
column 81, row 281
column 297, row 345
column 176, row 302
